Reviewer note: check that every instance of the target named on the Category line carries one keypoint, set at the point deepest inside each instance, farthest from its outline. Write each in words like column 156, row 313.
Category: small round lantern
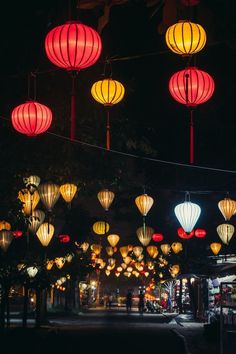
column 200, row 233
column 157, row 237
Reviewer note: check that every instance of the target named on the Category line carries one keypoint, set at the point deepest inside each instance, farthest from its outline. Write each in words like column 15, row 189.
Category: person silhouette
column 129, row 301
column 141, row 302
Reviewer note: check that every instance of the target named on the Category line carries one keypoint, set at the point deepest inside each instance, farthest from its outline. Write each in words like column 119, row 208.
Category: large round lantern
column 45, row 233
column 31, row 118
column 185, row 38
column 113, row 239
column 105, row 198
column 215, row 247
column 5, row 239
column 225, row 232
column 184, row 235
column 108, row 92
column 68, row 191
column 144, row 234
column 227, row 207
column 73, row 46
column 49, row 194
column 29, row 200
column 187, row 214
column 101, row 227
column 157, row 237
column 36, row 219
column 144, row 203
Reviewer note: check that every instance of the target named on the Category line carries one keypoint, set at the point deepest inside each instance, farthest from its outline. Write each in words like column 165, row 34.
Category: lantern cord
column 191, row 138
column 108, row 134
column 72, row 117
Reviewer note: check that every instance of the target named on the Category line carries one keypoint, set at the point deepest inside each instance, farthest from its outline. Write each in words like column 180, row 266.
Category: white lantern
column 32, row 271
column 225, row 232
column 187, row 214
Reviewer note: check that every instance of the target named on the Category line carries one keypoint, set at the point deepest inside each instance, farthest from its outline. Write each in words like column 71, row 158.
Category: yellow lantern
column 113, row 239
column 108, row 272
column 138, row 251
column 119, row 269
column 109, row 251
column 124, row 265
column 129, row 269
column 227, row 207
column 108, row 92
column 49, row 194
column 144, row 203
column 215, row 247
column 185, row 38
column 29, row 200
column 165, row 248
column 84, row 246
column 49, row 264
column 68, row 191
column 127, row 260
column 4, row 225
column 175, row 269
column 59, row 261
column 5, row 239
column 144, row 234
column 177, row 247
column 31, row 182
column 36, row 219
column 111, row 261
column 96, row 248
column 45, row 233
column 225, row 232
column 105, row 198
column 152, row 251
column 101, row 227
column 150, row 265
column 124, row 251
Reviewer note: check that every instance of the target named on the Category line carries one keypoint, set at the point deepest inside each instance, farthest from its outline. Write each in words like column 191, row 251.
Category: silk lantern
column 144, row 203
column 144, row 234
column 105, row 198
column 49, row 194
column 5, row 239
column 35, row 220
column 187, row 214
column 225, row 232
column 29, row 200
column 215, row 247
column 101, row 227
column 68, row 191
column 113, row 239
column 227, row 208
column 45, row 233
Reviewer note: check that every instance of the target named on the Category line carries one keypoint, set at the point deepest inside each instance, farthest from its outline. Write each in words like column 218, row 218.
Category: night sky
column 148, row 122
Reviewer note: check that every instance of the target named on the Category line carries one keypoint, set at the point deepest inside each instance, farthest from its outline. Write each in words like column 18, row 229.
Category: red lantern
column 64, row 238
column 157, row 237
column 184, row 235
column 73, row 46
column 200, row 233
column 191, row 86
column 31, row 118
column 17, row 233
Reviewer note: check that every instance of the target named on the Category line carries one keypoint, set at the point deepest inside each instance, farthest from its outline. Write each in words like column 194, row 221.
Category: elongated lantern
column 29, row 200
column 5, row 239
column 45, row 233
column 144, row 203
column 36, row 219
column 144, row 234
column 187, row 214
column 225, row 232
column 31, row 118
column 113, row 239
column 105, row 198
column 68, row 191
column 227, row 208
column 49, row 194
column 101, row 227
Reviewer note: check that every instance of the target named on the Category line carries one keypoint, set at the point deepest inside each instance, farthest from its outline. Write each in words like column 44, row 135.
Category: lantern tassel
column 108, row 135
column 191, row 138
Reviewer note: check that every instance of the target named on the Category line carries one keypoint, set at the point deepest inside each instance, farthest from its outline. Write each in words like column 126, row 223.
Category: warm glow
column 177, row 247
column 152, row 251
column 124, row 251
column 227, row 208
column 144, row 203
column 59, row 261
column 105, row 198
column 109, row 251
column 31, row 182
column 96, row 248
column 101, row 227
column 36, row 219
column 5, row 239
column 32, row 271
column 4, row 225
column 187, row 214
column 49, row 194
column 29, row 200
column 215, row 247
column 157, row 237
column 138, row 251
column 113, row 239
column 144, row 234
column 68, row 191
column 45, row 233
column 225, row 232
column 49, row 264
column 185, row 38
column 165, row 248
column 108, row 92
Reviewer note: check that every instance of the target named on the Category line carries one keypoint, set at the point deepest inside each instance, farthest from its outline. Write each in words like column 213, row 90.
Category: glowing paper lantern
column 215, row 247
column 32, row 271
column 109, row 251
column 4, row 225
column 17, row 233
column 113, row 239
column 73, row 46
column 31, row 182
column 185, row 38
column 175, row 269
column 152, row 251
column 144, row 203
column 177, row 247
column 31, row 118
column 227, row 208
column 101, row 227
column 84, row 246
column 105, row 198
column 45, row 233
column 165, row 248
column 184, row 235
column 96, row 248
column 225, row 232
column 49, row 264
column 29, row 200
column 124, row 251
column 138, row 251
column 49, row 194
column 187, row 214
column 157, row 237
column 5, row 239
column 59, row 261
column 200, row 233
column 64, row 238
column 144, row 234
column 36, row 219
column 68, row 191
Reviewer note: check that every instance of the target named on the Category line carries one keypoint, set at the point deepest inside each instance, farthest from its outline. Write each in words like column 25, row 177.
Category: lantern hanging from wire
column 45, row 233
column 124, row 251
column 138, row 250
column 96, row 248
column 185, row 38
column 215, row 247
column 49, row 264
column 5, row 239
column 174, row 270
column 101, row 227
column 4, row 225
column 191, row 87
column 227, row 208
column 68, row 191
column 73, row 46
column 108, row 92
column 29, row 200
column 144, row 203
column 35, row 220
column 165, row 248
column 152, row 251
column 31, row 118
column 225, row 232
column 31, row 182
column 144, row 234
column 105, row 198
column 187, row 213
column 113, row 239
column 177, row 247
column 109, row 251
column 49, row 194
